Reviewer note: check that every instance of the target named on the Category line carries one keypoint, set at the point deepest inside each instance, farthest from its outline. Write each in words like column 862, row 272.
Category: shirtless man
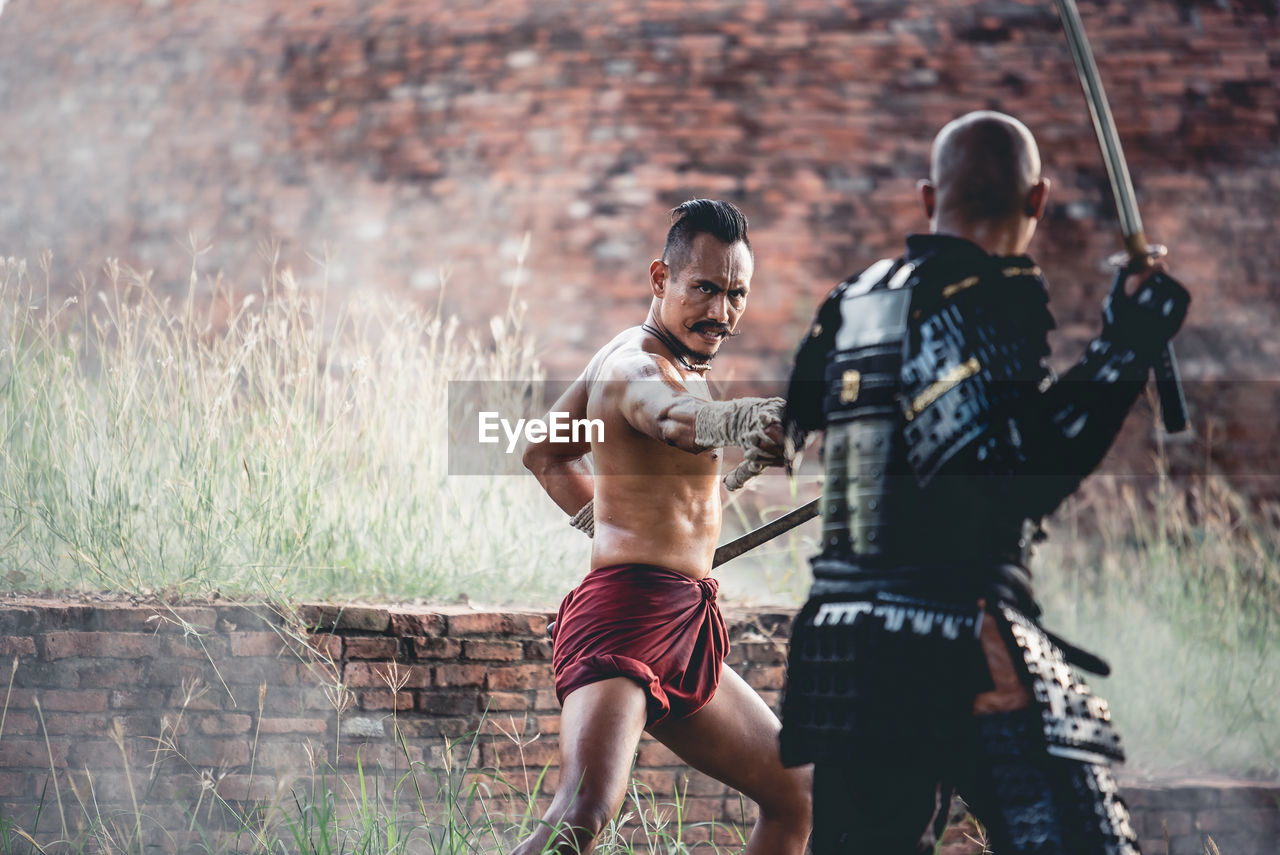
column 640, row 644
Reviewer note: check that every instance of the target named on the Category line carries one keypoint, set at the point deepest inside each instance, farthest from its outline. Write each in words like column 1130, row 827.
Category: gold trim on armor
column 957, row 287
column 1021, row 271
column 942, row 385
column 850, row 384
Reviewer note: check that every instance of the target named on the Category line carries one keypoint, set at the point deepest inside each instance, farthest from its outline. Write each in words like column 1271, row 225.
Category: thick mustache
column 710, row 326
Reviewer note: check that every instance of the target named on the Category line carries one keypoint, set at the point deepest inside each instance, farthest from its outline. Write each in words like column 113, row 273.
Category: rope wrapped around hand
column 742, row 422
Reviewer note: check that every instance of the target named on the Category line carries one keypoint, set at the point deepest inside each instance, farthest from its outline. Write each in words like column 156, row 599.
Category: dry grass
column 268, row 444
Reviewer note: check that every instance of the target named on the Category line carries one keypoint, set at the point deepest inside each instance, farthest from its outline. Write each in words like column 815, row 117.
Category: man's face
column 703, row 298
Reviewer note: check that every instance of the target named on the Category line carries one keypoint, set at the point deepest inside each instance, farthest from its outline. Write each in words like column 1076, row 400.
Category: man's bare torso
column 654, row 503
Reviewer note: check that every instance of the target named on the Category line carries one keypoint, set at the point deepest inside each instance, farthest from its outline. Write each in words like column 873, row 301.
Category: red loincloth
column 653, row 625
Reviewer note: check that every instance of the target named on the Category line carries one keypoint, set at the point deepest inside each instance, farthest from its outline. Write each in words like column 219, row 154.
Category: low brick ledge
column 92, row 662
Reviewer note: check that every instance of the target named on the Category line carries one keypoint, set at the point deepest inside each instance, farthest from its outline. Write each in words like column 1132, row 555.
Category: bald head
column 983, row 167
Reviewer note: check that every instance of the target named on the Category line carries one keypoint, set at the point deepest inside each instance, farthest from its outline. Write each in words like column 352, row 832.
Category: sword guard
column 1133, row 262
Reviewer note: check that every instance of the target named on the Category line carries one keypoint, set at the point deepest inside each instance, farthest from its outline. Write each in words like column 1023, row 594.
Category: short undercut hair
column 689, row 219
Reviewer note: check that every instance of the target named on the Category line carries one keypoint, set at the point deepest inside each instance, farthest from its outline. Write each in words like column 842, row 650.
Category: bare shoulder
column 627, row 358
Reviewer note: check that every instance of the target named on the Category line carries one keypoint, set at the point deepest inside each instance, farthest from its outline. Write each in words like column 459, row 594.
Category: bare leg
column 600, row 727
column 734, row 739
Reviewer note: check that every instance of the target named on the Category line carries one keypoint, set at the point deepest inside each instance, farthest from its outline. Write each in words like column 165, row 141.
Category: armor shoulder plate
column 976, row 347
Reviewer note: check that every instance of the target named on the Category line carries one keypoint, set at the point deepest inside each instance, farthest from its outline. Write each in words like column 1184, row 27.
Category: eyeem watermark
column 557, row 427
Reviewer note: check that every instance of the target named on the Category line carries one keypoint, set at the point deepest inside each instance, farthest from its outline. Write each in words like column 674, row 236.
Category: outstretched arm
column 656, row 402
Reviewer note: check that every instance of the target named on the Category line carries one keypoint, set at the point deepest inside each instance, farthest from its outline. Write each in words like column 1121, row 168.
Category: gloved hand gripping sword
column 1138, row 255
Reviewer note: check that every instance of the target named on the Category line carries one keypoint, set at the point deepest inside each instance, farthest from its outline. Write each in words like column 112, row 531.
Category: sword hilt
column 1173, row 401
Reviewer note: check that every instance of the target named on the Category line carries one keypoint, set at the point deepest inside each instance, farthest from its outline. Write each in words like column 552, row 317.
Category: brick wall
column 242, row 702
column 410, row 138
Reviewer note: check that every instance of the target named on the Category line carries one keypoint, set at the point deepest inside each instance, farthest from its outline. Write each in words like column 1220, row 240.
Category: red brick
column 483, row 623
column 383, row 674
column 74, row 701
column 507, row 701
column 406, row 624
column 380, row 757
column 657, row 782
column 326, row 645
column 61, row 724
column 258, row 644
column 460, row 675
column 183, row 618
column 655, row 755
column 31, row 753
column 505, row 726
column 437, row 648
column 294, row 755
column 537, row 650
column 109, row 675
column 291, row 724
column 121, row 699
column 183, row 648
column 371, row 648
column 213, row 752
column 17, row 645
column 698, row 784
column 518, row 677
column 15, row 620
column 695, row 809
column 510, row 755
column 145, row 725
column 529, row 624
column 1261, row 821
column 13, row 784
column 19, row 724
column 495, row 650
column 1242, row 795
column 453, row 703
column 100, row 753
column 125, row 619
column 383, row 700
column 60, row 645
column 327, row 616
column 227, row 724
column 239, row 788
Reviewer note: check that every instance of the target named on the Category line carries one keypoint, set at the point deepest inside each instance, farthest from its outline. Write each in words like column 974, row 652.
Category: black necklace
column 677, row 349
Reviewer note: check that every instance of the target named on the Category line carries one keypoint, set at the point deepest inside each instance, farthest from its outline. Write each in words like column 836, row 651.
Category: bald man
column 917, row 666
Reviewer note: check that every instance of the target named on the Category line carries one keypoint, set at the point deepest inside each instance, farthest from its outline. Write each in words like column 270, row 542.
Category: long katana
column 766, row 532
column 1173, row 404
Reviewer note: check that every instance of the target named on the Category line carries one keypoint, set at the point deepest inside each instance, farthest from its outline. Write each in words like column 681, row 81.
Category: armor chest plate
column 863, row 419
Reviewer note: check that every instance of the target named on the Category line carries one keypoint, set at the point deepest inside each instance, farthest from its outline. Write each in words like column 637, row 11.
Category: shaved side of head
column 983, row 165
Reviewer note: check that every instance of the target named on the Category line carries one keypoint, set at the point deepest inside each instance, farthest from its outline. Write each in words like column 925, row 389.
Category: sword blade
column 1173, row 404
column 1105, row 127
column 766, row 532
